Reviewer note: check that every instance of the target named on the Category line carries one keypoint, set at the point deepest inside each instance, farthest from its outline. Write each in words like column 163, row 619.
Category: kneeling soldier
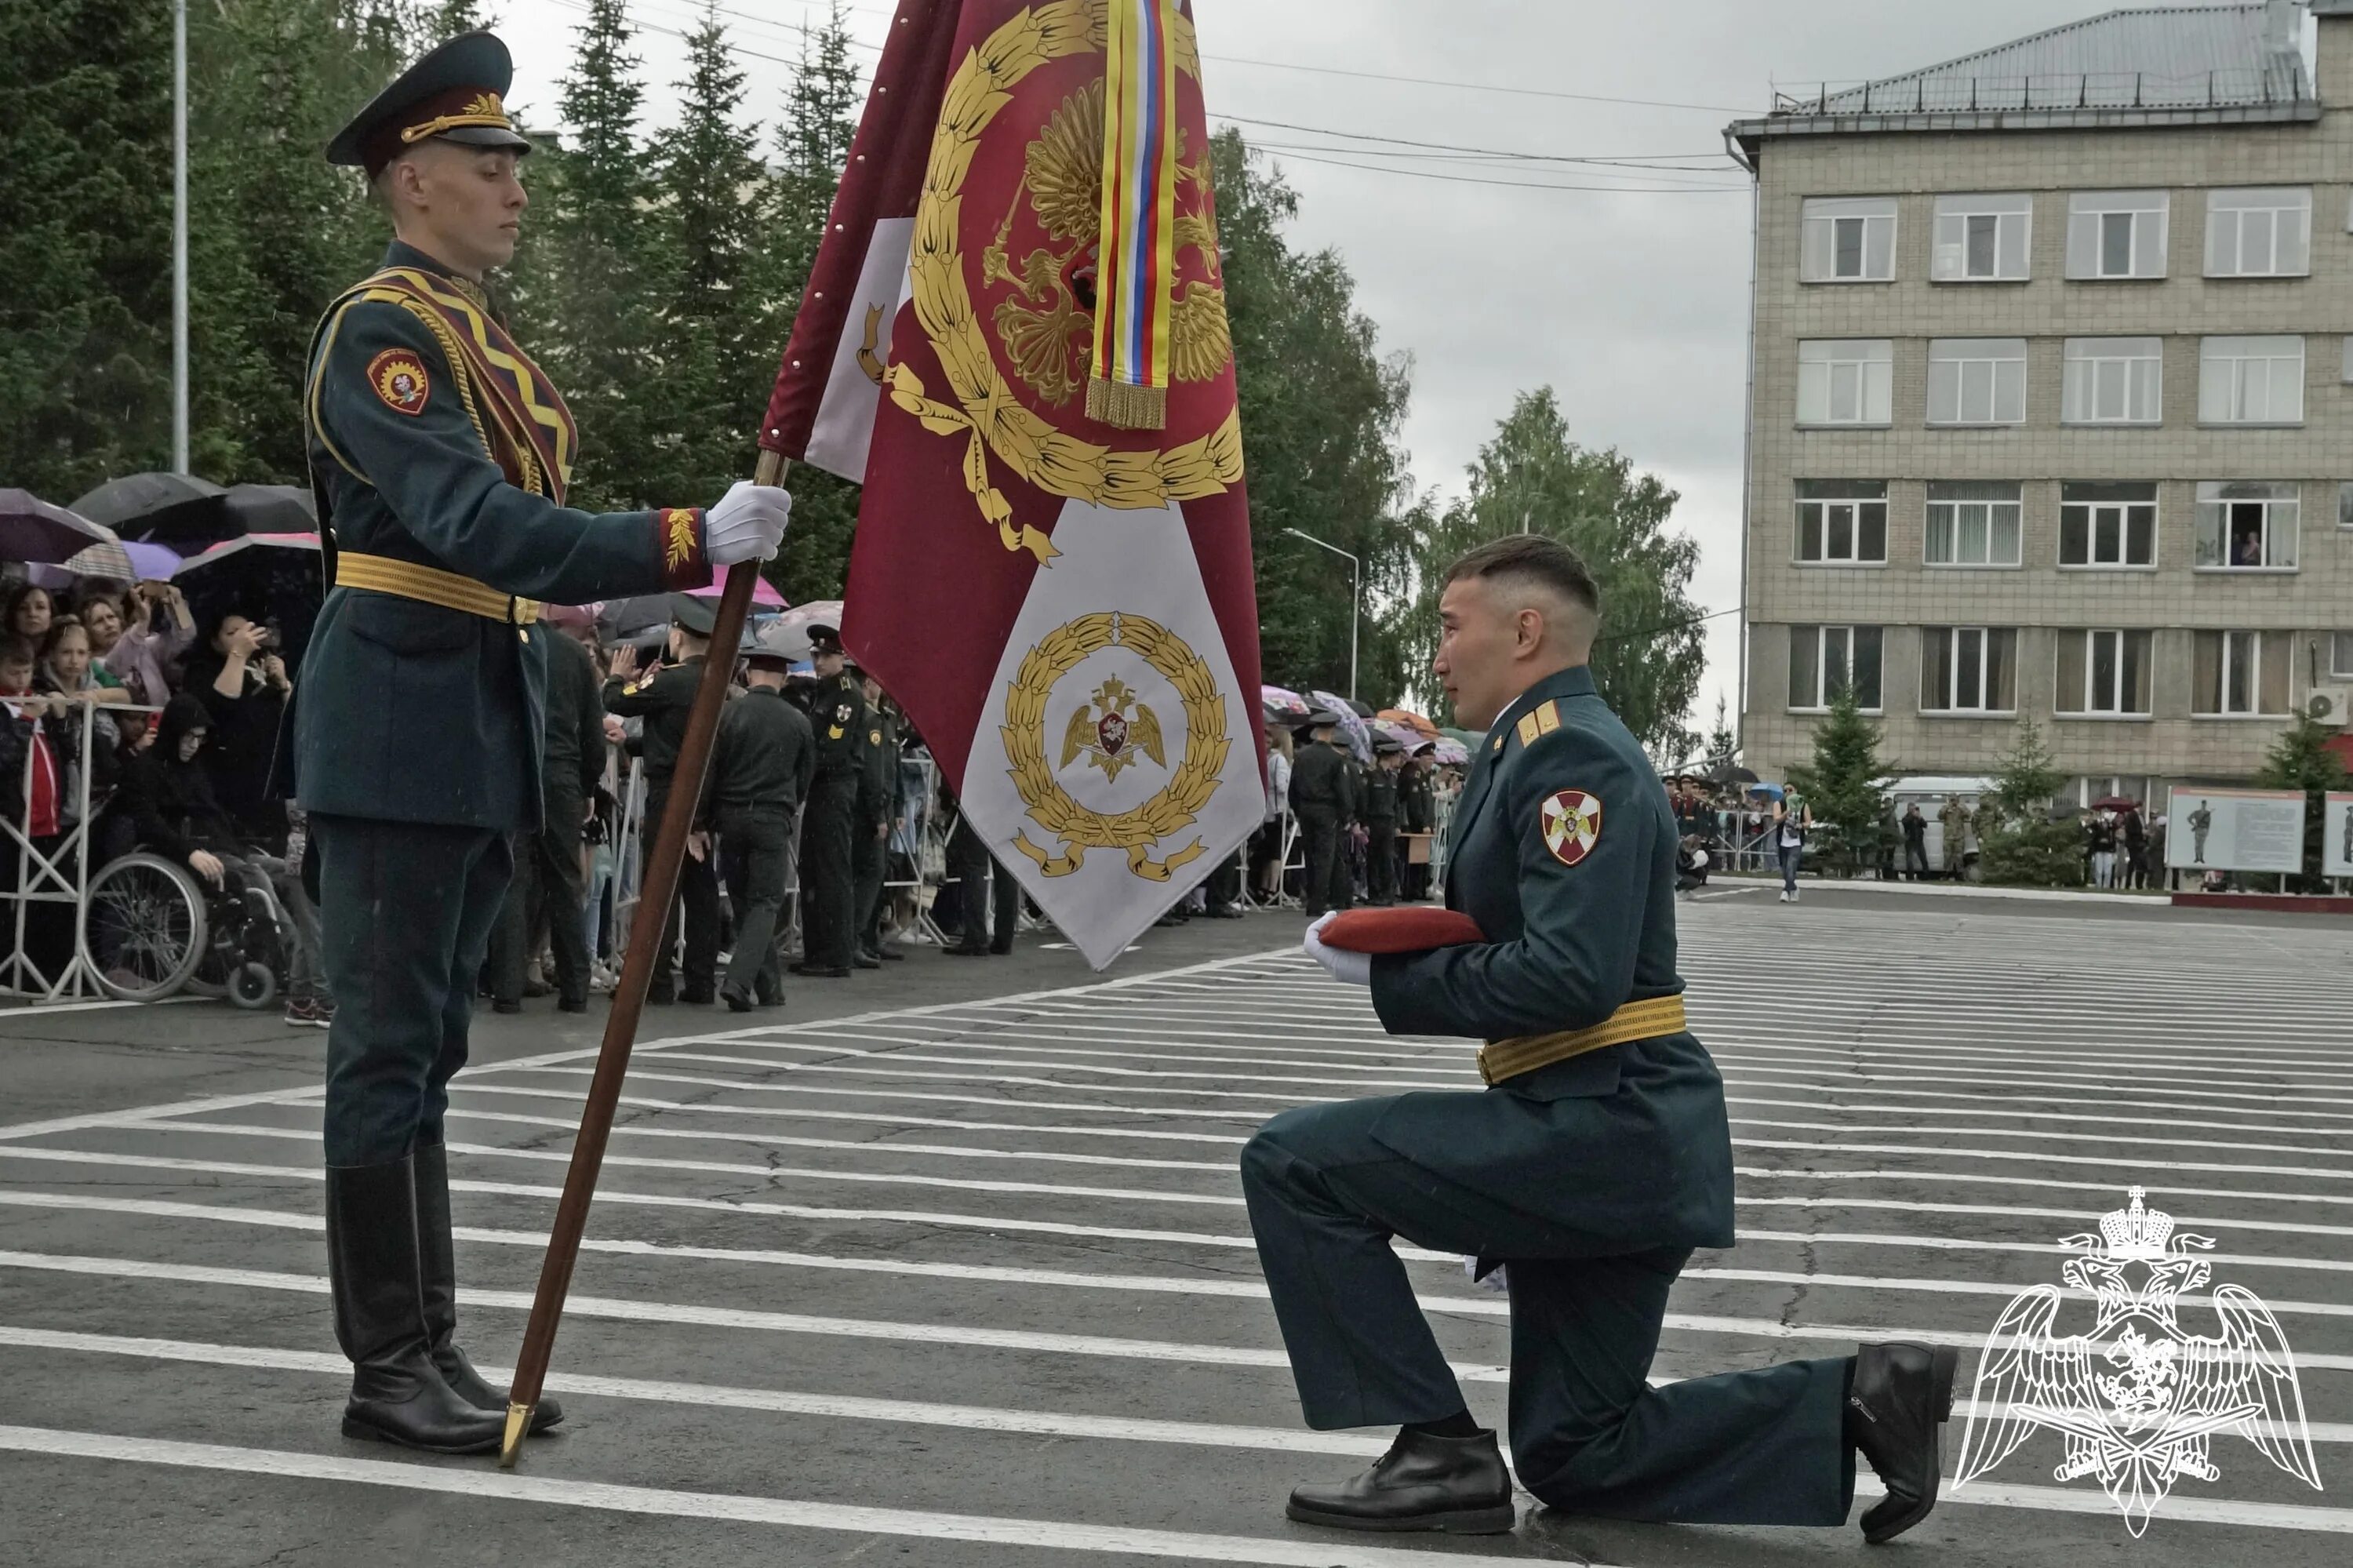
column 1595, row 1162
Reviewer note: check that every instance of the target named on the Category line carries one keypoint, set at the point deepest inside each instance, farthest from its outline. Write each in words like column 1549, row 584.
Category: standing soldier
column 1381, row 821
column 878, row 808
column 438, row 455
column 1954, row 819
column 547, row 886
column 1418, row 811
column 662, row 697
column 1597, row 1159
column 983, row 884
column 1321, row 798
column 760, row 769
column 829, row 899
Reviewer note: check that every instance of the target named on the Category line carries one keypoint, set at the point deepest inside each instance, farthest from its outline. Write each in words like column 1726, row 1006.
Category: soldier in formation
column 548, row 894
column 1324, row 799
column 878, row 813
column 1380, row 808
column 829, row 822
column 1595, row 1162
column 439, row 454
column 662, row 697
column 762, row 761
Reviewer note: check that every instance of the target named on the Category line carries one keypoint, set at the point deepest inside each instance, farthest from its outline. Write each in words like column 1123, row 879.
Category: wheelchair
column 155, row 927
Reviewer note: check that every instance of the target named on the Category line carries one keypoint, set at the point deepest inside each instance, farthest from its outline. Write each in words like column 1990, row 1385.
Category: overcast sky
column 1631, row 302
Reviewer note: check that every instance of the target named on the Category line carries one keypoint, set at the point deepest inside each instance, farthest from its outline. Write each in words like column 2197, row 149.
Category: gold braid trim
column 1167, row 813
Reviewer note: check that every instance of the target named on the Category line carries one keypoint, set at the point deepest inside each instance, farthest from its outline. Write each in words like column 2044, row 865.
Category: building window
column 2103, row 673
column 1977, row 381
column 1967, row 669
column 1847, row 239
column 2341, row 655
column 2113, row 381
column 2107, row 525
column 2344, row 504
column 1842, row 521
column 1972, row 524
column 1826, row 660
column 2265, row 232
column 2246, row 525
column 2239, row 672
column 1981, row 238
column 2250, row 381
column 1845, row 381
column 2116, row 234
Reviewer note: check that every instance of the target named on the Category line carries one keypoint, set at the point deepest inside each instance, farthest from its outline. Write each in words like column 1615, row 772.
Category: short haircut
column 1531, row 558
column 17, row 651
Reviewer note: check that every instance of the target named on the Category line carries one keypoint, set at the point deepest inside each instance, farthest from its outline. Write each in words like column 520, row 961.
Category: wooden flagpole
column 654, row 896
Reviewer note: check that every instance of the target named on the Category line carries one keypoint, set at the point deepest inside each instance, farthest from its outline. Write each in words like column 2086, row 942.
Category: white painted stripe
column 786, row 1113
column 1982, row 1179
column 1945, row 1151
column 780, row 1401
column 797, row 1085
column 1268, row 1102
column 2073, row 1137
column 1003, row 1338
column 723, row 1168
column 605, row 1496
column 1154, row 1074
column 1877, row 1100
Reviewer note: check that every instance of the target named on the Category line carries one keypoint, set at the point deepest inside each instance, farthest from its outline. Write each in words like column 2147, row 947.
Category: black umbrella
column 32, row 529
column 139, row 503
column 269, row 509
column 269, row 578
column 621, row 617
column 1732, row 773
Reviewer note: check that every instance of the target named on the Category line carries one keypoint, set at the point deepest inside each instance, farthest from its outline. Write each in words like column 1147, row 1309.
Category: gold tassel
column 1128, row 408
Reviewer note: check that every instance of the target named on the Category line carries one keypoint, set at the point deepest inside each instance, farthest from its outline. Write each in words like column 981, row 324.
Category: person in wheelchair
column 258, row 910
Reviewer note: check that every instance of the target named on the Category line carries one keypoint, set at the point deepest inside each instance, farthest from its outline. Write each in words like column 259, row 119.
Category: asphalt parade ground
column 947, row 1264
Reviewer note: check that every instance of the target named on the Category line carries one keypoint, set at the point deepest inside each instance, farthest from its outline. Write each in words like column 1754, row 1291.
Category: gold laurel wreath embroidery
column 1167, row 813
column 985, row 409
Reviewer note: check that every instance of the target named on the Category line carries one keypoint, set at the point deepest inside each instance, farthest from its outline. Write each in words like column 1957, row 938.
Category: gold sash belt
column 1501, row 1059
column 382, row 574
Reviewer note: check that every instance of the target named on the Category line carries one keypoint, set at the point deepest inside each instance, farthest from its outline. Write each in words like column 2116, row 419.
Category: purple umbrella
column 1281, row 703
column 1351, row 724
column 33, row 530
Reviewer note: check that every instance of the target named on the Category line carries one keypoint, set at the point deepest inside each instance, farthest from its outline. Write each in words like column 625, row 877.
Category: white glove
column 747, row 523
column 1347, row 968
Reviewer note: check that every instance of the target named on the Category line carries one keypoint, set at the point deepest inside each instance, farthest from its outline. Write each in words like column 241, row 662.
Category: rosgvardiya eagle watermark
column 2137, row 1401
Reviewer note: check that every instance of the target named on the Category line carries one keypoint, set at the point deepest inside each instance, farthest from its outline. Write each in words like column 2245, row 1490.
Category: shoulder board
column 1542, row 719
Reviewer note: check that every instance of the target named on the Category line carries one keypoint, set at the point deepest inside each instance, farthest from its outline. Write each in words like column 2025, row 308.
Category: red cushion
column 1411, row 929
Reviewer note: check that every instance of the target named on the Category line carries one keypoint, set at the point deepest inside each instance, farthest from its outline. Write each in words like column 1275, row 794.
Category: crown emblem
column 2137, row 1231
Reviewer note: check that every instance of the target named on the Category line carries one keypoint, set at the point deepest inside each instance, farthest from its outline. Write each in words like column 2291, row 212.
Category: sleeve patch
column 1571, row 820
column 398, row 376
column 678, row 532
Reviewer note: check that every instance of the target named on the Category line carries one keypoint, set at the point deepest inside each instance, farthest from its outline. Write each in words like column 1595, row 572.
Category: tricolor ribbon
column 1136, row 264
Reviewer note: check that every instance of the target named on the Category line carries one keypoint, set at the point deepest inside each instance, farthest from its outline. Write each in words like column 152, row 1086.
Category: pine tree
column 1721, row 744
column 717, row 327
column 2301, row 759
column 1846, row 785
column 812, row 149
column 85, row 241
column 592, row 276
column 2020, row 842
column 452, row 17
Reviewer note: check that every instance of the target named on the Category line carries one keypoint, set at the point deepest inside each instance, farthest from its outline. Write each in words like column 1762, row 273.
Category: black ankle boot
column 436, row 1255
column 1901, row 1393
column 1424, row 1482
column 397, row 1394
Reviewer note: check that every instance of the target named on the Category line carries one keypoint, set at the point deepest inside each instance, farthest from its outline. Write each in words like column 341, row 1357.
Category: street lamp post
column 1356, row 607
column 180, row 235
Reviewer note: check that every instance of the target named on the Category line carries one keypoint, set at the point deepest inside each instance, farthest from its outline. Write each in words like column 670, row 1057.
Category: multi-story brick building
column 2052, row 402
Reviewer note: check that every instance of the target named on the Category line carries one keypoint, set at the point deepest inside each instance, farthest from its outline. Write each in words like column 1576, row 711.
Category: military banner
column 1062, row 602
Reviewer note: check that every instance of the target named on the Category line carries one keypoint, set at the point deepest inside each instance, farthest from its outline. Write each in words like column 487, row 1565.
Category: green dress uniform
column 439, row 455
column 1592, row 1177
column 663, row 703
column 548, row 890
column 761, row 766
column 878, row 806
column 829, row 898
column 1322, row 798
column 1417, row 814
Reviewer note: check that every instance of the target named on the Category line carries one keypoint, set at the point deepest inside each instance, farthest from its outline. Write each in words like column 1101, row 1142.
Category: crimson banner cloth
column 1064, row 608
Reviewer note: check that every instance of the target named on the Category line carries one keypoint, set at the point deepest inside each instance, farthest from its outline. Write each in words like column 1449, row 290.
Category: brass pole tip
column 511, row 1445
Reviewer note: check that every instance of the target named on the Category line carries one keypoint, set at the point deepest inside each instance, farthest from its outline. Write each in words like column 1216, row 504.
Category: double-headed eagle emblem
column 2138, row 1400
column 1112, row 739
column 1046, row 327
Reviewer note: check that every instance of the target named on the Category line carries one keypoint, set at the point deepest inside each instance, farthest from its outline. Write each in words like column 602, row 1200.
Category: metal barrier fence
column 56, row 875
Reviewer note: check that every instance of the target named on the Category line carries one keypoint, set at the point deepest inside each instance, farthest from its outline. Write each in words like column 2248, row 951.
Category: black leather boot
column 397, row 1394
column 1454, row 1484
column 436, row 1255
column 1901, row 1394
